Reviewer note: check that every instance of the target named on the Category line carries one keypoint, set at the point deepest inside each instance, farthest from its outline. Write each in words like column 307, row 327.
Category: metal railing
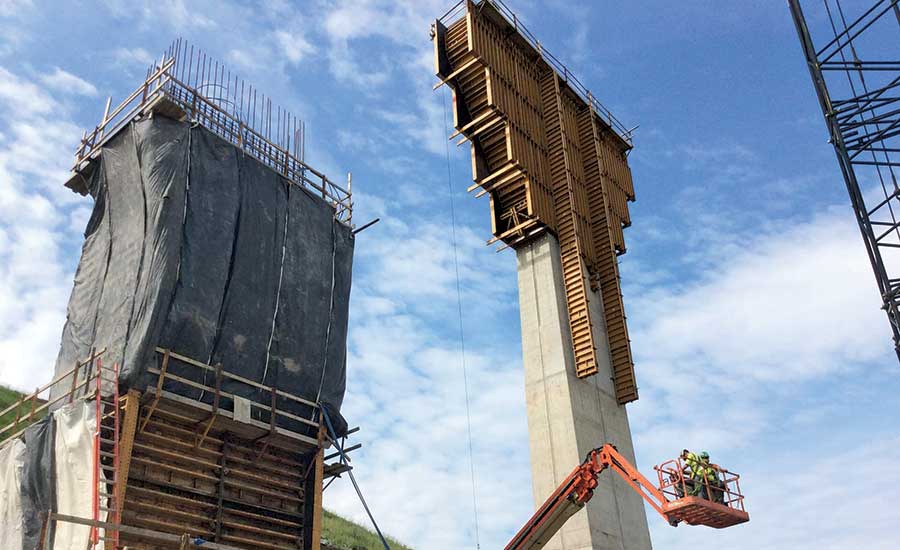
column 208, row 94
column 675, row 485
column 576, row 85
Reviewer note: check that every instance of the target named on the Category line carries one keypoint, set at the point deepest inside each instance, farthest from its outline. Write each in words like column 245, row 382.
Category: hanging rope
column 462, row 337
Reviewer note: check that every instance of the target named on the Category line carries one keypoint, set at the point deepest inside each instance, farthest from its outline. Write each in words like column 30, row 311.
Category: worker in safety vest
column 711, row 476
column 693, row 472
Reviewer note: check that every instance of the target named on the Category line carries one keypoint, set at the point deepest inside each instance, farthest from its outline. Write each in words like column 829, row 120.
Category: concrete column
column 568, row 416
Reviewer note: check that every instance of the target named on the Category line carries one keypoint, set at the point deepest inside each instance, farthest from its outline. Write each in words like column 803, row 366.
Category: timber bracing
column 550, row 158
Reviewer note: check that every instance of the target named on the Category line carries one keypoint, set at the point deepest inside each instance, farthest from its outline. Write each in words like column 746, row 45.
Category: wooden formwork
column 550, row 158
column 230, row 488
column 600, row 162
column 180, row 469
column 194, row 468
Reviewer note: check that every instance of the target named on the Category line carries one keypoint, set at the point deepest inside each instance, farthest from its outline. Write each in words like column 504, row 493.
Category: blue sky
column 753, row 313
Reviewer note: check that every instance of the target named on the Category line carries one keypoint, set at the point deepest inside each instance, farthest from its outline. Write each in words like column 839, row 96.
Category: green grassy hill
column 9, row 397
column 341, row 534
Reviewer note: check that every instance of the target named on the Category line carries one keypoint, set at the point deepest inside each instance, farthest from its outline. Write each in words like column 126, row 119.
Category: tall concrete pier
column 554, row 163
column 568, row 416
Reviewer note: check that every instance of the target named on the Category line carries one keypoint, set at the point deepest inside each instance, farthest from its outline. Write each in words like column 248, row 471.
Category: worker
column 711, row 475
column 692, row 474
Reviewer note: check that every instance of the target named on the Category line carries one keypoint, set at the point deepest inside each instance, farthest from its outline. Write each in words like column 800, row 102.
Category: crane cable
column 462, row 337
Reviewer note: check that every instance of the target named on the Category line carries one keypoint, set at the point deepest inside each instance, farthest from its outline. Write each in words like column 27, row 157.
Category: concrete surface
column 568, row 416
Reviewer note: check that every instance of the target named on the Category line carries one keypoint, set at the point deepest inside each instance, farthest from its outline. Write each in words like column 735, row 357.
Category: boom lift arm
column 578, row 488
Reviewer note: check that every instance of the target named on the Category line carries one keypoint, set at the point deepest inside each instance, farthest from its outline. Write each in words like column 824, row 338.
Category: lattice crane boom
column 856, row 75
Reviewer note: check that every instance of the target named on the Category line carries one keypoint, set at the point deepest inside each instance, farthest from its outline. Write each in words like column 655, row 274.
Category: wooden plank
column 126, row 443
column 456, row 72
column 227, row 415
column 58, row 379
column 319, row 473
column 137, row 531
column 235, row 377
column 159, row 384
column 227, row 395
column 220, row 487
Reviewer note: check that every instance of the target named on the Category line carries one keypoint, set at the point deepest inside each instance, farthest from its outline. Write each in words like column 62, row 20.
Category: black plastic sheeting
column 38, row 491
column 196, row 247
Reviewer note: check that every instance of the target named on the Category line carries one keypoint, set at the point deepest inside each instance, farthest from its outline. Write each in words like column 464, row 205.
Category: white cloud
column 406, row 386
column 23, row 96
column 68, row 83
column 416, row 263
column 790, row 305
column 350, row 29
column 35, row 273
column 794, row 302
column 294, row 45
column 133, row 57
column 808, row 499
column 407, row 393
column 728, row 361
column 345, row 67
column 14, row 7
column 178, row 14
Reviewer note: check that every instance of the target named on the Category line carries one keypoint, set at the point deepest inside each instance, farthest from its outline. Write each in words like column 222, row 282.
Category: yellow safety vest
column 692, row 461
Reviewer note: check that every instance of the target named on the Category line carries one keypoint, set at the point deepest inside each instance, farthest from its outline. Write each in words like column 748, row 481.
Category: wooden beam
column 137, row 531
column 457, row 72
column 517, row 229
column 228, row 415
column 126, row 444
column 317, row 492
column 227, row 395
column 159, row 385
column 235, row 377
column 478, row 120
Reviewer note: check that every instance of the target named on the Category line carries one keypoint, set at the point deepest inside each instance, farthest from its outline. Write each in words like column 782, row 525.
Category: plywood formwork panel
column 225, row 487
column 605, row 267
column 564, row 167
column 548, row 163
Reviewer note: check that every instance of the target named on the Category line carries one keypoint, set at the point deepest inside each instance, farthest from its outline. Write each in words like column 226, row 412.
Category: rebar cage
column 187, row 83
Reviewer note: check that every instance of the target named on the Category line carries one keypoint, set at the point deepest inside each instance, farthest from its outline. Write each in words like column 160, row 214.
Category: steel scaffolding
column 856, row 73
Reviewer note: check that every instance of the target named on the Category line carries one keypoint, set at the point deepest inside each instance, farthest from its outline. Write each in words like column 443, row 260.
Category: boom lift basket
column 723, row 508
column 716, row 505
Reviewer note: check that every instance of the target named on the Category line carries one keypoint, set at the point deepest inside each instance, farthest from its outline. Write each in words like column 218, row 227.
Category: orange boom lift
column 667, row 497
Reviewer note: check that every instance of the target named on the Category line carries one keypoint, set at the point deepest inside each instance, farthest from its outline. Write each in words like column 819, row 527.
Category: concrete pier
column 568, row 416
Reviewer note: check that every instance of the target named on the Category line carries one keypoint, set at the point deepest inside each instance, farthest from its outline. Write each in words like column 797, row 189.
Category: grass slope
column 341, row 534
column 9, row 397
